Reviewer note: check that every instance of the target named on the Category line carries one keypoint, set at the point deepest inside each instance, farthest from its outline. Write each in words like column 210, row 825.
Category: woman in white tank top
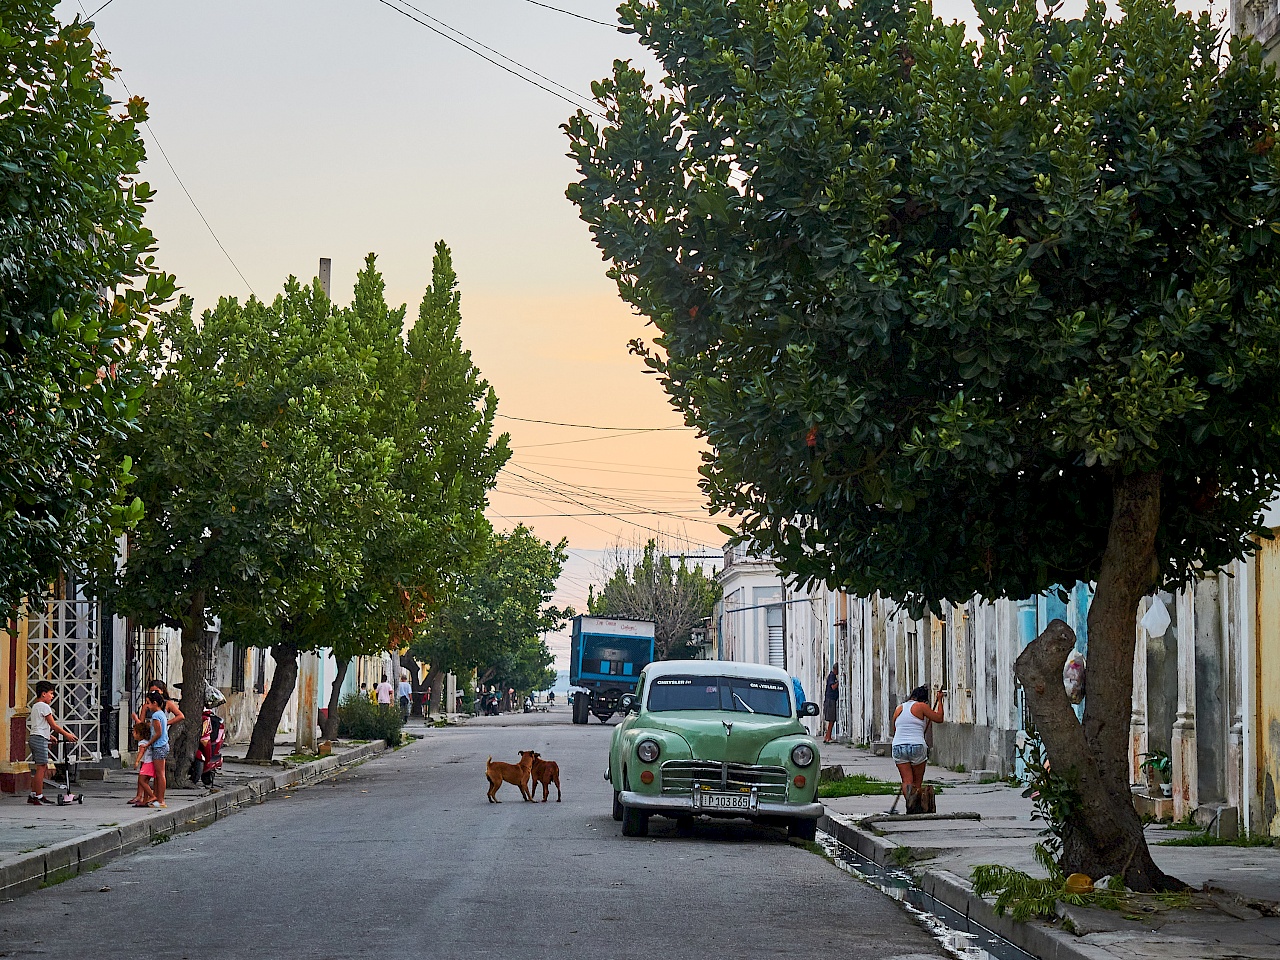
column 909, row 749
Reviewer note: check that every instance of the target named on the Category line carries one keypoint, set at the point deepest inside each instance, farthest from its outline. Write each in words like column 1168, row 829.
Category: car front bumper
column 684, row 805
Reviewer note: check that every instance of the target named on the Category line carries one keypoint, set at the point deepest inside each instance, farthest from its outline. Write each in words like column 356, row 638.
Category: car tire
column 617, row 805
column 802, row 828
column 635, row 822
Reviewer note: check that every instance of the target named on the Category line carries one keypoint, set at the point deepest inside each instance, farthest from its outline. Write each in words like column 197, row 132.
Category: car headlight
column 802, row 755
column 648, row 750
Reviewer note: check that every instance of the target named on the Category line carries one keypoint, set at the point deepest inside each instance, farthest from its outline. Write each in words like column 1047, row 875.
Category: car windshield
column 736, row 694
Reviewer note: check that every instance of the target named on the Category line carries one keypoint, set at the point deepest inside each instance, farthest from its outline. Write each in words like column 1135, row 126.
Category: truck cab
column 606, row 657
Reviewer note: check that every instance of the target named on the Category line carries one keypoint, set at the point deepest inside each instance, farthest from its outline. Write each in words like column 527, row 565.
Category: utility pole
column 309, row 663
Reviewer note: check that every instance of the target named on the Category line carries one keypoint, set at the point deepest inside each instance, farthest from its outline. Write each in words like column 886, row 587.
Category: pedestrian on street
column 406, row 694
column 910, row 750
column 831, row 700
column 385, row 693
column 43, row 730
column 159, row 743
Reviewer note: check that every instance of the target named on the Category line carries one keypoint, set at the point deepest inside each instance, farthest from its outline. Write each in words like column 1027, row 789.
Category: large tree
column 962, row 315
column 76, row 281
column 654, row 586
column 436, row 411
column 260, row 477
column 496, row 621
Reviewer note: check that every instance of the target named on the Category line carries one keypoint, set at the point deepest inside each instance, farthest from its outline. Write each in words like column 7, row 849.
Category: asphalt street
column 403, row 857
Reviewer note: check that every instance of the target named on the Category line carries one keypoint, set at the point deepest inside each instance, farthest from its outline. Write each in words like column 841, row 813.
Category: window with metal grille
column 239, row 654
column 259, row 670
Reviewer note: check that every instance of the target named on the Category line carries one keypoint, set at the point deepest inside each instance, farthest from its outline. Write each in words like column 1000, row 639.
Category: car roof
column 715, row 668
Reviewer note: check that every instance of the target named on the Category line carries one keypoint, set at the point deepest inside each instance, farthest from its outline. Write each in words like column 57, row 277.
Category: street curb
column 1037, row 939
column 61, row 861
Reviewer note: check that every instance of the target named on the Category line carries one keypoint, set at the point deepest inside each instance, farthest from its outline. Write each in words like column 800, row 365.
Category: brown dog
column 497, row 772
column 545, row 772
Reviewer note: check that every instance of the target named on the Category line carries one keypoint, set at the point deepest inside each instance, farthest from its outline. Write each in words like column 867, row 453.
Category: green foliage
column 434, row 412
column 861, row 785
column 495, row 622
column 675, row 596
column 1199, row 839
column 1055, row 798
column 1159, row 762
column 77, row 282
column 359, row 719
column 928, row 296
column 257, row 467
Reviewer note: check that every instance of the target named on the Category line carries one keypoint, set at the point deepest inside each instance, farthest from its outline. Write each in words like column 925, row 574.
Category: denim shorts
column 915, row 753
column 39, row 750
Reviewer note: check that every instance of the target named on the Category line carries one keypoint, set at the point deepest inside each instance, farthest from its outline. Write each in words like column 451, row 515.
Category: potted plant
column 1157, row 765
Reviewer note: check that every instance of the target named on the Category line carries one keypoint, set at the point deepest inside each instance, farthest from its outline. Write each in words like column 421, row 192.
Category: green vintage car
column 711, row 738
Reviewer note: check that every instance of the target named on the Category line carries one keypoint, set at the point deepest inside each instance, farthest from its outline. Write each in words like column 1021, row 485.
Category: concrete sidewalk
column 40, row 844
column 1241, row 921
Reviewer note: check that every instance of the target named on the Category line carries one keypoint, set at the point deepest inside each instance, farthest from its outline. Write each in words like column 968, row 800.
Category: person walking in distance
column 43, row 730
column 910, row 750
column 406, row 695
column 830, row 700
column 385, row 693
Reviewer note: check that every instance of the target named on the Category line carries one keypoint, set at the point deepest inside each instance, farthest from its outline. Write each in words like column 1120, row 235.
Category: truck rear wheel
column 581, row 708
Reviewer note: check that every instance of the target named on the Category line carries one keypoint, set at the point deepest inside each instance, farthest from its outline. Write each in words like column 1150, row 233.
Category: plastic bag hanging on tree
column 1073, row 676
column 1156, row 620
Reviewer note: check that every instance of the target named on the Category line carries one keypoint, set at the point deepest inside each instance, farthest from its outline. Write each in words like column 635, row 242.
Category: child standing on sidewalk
column 146, row 768
column 158, row 743
column 44, row 728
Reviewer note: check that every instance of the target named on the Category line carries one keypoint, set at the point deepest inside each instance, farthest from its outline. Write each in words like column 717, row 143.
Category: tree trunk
column 262, row 744
column 330, row 728
column 1106, row 837
column 185, row 736
column 432, row 683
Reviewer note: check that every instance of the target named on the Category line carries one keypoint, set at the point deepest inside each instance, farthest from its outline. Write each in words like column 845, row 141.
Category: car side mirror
column 809, row 709
column 629, row 703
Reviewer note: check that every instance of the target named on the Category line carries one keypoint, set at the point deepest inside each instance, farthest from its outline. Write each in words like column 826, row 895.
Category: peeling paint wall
column 1267, row 686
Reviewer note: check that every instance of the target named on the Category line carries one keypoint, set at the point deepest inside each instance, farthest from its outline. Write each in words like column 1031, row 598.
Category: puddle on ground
column 960, row 936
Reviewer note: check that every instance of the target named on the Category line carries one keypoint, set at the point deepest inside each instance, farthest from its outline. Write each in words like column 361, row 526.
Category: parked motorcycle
column 208, row 759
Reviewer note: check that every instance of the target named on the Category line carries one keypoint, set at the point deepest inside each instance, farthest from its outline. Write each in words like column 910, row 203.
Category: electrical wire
column 109, row 2
column 567, row 13
column 591, row 426
column 585, row 491
column 156, row 140
column 577, row 99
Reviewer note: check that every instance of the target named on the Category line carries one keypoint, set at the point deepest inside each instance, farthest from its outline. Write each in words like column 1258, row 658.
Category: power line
column 109, row 2
column 591, row 426
column 159, row 146
column 577, row 100
column 568, row 13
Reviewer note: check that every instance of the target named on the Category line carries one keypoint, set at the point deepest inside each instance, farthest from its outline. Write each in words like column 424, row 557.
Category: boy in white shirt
column 43, row 728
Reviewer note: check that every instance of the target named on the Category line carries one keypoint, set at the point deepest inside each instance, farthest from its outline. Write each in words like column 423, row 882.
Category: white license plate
column 709, row 800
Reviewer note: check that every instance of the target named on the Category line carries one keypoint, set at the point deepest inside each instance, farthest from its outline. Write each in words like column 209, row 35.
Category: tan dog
column 545, row 772
column 497, row 772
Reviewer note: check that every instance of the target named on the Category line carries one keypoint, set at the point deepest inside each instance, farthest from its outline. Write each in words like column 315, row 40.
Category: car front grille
column 679, row 776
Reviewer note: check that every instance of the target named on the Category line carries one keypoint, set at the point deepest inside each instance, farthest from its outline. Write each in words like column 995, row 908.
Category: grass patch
column 902, row 856
column 1206, row 840
column 860, row 785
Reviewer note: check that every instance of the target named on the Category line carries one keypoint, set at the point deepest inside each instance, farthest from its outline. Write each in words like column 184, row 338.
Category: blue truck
column 607, row 656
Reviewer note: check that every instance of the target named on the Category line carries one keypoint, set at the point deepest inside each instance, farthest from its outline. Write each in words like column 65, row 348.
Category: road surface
column 404, row 858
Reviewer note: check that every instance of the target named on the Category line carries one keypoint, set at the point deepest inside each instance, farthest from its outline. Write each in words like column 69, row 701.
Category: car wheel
column 802, row 828
column 617, row 805
column 635, row 822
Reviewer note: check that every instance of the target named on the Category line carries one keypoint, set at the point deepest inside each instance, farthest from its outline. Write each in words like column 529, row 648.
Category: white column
column 1229, row 590
column 1138, row 718
column 1183, row 746
column 308, row 683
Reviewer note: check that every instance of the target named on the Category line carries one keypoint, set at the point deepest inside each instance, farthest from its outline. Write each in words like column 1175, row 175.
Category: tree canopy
column 963, row 316
column 76, row 282
column 653, row 586
column 495, row 623
column 925, row 295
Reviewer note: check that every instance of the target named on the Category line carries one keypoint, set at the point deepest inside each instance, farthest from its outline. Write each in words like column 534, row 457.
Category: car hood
column 709, row 739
